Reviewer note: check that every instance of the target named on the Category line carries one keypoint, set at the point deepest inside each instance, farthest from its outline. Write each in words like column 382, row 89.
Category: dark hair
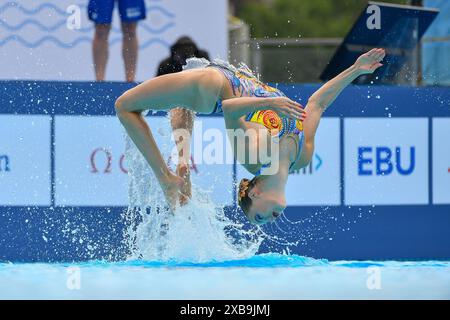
column 244, row 201
column 186, row 47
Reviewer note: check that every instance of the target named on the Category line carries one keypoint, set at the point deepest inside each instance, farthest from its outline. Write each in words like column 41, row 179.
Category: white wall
column 35, row 42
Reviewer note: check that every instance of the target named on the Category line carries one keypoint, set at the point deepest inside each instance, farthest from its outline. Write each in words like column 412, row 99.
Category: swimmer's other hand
column 370, row 61
column 287, row 107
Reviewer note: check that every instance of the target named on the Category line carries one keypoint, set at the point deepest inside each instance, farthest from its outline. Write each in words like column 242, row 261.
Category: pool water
column 267, row 276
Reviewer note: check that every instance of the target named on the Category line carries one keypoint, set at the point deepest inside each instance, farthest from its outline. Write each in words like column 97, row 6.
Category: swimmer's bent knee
column 122, row 104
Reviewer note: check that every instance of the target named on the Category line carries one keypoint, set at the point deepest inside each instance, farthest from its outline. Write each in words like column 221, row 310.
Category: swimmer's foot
column 172, row 187
column 186, row 192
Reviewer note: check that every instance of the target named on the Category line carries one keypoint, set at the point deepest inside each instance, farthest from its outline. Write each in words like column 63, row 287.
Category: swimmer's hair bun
column 243, row 189
column 244, row 201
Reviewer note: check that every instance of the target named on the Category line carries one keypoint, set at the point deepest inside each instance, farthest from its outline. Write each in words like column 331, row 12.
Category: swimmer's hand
column 370, row 61
column 172, row 187
column 327, row 94
column 287, row 107
column 184, row 172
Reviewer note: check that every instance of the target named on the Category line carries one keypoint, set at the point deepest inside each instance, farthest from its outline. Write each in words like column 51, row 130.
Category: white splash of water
column 197, row 232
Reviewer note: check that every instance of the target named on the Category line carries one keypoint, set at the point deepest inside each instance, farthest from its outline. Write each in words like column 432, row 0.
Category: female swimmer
column 248, row 104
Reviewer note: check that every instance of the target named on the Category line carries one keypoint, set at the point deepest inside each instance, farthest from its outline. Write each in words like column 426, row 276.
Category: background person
column 100, row 12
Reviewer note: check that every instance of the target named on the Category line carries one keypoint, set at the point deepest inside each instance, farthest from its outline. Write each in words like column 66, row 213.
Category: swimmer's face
column 265, row 208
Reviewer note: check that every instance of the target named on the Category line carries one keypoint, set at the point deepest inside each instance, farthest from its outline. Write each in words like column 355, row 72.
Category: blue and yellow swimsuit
column 245, row 84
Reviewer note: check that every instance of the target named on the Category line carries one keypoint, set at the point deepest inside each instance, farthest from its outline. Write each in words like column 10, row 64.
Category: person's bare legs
column 100, row 50
column 139, row 131
column 129, row 49
column 182, row 121
column 195, row 90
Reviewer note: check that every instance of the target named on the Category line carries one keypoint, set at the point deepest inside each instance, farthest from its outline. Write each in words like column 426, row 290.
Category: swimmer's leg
column 182, row 121
column 142, row 137
column 196, row 89
column 158, row 94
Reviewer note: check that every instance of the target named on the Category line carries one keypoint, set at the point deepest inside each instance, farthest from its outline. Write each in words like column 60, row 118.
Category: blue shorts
column 101, row 11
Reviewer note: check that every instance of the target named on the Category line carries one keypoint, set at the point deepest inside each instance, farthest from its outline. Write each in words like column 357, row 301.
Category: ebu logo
column 4, row 163
column 382, row 161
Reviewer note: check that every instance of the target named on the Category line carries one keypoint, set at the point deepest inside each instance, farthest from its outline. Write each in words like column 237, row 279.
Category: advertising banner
column 441, row 161
column 25, row 160
column 386, row 161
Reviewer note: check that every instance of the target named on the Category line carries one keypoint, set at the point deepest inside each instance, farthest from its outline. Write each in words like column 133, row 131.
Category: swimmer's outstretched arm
column 366, row 64
column 322, row 98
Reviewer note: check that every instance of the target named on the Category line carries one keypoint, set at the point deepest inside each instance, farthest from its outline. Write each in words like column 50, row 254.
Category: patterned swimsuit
column 245, row 84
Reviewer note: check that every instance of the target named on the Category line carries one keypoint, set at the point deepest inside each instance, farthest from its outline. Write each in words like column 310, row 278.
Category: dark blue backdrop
column 380, row 232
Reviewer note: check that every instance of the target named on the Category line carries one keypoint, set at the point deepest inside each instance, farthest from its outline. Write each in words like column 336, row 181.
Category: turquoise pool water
column 268, row 276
